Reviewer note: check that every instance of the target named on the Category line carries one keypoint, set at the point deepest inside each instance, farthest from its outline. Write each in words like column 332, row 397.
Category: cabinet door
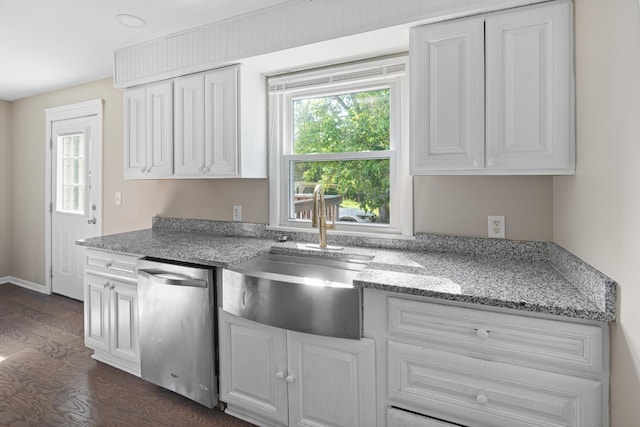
column 221, row 124
column 331, row 381
column 189, row 125
column 253, row 368
column 124, row 321
column 135, row 133
column 481, row 393
column 160, row 129
column 529, row 89
column 447, row 97
column 96, row 312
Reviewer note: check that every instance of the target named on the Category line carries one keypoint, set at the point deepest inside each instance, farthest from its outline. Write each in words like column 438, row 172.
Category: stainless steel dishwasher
column 177, row 328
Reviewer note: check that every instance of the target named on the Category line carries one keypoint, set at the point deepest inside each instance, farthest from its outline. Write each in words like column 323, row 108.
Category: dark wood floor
column 47, row 377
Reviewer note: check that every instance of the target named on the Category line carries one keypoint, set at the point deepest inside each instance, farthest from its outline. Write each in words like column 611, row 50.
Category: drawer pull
column 482, row 334
column 482, row 399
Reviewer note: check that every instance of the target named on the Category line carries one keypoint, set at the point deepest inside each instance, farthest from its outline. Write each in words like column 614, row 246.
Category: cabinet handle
column 143, row 169
column 290, row 378
column 112, row 287
column 476, row 163
column 109, row 264
column 207, row 169
column 201, row 169
column 91, row 221
column 482, row 333
column 491, row 162
column 280, row 375
column 149, row 169
column 482, row 399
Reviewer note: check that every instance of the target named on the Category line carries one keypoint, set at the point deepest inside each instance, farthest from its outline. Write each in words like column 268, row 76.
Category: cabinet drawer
column 539, row 343
column 477, row 392
column 111, row 264
column 400, row 418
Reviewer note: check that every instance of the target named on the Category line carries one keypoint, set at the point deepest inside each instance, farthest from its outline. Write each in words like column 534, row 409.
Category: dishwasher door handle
column 165, row 278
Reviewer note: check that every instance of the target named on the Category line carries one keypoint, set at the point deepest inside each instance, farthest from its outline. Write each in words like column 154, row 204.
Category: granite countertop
column 531, row 281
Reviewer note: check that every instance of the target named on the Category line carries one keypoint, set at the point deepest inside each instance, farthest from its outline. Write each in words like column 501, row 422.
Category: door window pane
column 71, row 174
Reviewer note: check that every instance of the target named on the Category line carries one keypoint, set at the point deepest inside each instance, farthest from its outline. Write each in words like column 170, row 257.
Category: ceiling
column 47, row 45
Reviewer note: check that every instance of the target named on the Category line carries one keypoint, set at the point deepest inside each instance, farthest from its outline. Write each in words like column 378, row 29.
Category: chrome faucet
column 318, row 215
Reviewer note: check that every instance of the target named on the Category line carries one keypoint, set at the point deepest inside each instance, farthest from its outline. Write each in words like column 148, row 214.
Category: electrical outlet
column 118, row 198
column 496, row 226
column 237, row 213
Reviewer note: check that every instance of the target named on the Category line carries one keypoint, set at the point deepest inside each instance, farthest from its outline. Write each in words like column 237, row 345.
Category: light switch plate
column 118, row 198
column 496, row 226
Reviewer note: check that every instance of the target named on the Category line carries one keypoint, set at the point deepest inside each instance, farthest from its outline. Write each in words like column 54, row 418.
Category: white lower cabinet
column 274, row 377
column 111, row 310
column 448, row 365
column 485, row 393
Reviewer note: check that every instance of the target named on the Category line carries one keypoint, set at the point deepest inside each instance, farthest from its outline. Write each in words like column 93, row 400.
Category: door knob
column 92, row 221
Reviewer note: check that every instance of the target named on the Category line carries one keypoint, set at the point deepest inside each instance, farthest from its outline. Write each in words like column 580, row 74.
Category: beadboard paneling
column 287, row 25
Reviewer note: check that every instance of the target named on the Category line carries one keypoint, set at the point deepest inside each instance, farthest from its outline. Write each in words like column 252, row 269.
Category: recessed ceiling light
column 131, row 21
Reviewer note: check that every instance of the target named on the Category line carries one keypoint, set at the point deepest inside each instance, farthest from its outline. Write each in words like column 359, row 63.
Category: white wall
column 597, row 211
column 459, row 205
column 5, row 188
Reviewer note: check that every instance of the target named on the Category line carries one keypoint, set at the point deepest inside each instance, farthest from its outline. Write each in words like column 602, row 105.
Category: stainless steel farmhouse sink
column 305, row 293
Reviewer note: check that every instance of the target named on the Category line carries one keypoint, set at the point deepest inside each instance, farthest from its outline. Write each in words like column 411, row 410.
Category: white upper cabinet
column 207, row 132
column 217, row 124
column 494, row 94
column 148, row 126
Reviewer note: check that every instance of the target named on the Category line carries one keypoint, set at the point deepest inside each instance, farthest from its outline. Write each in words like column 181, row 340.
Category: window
column 71, row 167
column 342, row 128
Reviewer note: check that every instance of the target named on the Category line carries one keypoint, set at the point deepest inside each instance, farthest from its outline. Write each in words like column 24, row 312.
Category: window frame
column 284, row 90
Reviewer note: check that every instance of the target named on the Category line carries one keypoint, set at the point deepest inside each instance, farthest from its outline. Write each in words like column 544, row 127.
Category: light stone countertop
column 527, row 283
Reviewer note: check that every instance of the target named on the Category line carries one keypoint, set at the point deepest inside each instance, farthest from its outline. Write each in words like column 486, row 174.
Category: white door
column 189, row 125
column 331, row 381
column 124, row 326
column 96, row 313
column 447, row 111
column 528, row 70
column 221, row 124
column 253, row 368
column 135, row 133
column 76, row 196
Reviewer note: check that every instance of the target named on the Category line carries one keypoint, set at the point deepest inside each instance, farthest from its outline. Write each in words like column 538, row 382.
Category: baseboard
column 24, row 284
